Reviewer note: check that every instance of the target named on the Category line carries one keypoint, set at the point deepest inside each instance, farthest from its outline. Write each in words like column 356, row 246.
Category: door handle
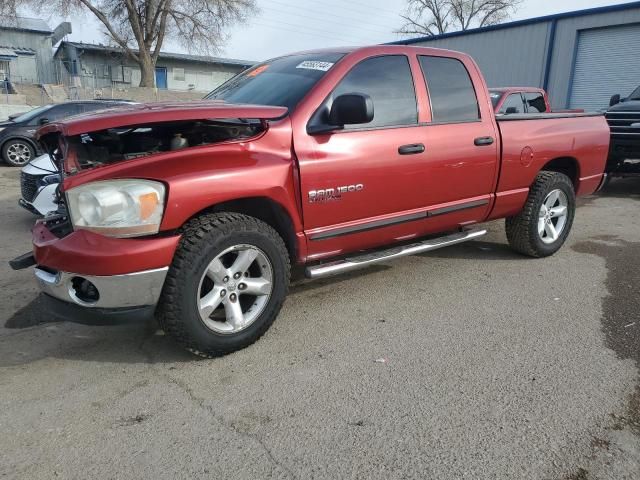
column 482, row 141
column 411, row 149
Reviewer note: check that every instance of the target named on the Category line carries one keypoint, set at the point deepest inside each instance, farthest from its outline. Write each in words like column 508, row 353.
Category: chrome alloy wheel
column 235, row 289
column 553, row 216
column 19, row 153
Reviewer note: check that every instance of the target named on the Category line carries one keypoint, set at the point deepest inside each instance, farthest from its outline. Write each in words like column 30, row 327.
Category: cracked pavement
column 497, row 366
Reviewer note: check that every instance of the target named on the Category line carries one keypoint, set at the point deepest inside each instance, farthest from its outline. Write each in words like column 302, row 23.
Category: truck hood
column 628, row 106
column 159, row 112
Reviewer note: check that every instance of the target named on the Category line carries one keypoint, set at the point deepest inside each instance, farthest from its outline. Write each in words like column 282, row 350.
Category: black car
column 17, row 144
column 623, row 117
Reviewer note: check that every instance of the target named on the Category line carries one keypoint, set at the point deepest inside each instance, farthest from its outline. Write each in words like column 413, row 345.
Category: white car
column 39, row 182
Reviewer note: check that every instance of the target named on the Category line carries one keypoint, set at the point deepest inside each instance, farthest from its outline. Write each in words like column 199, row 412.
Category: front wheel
column 17, row 152
column 226, row 285
column 544, row 223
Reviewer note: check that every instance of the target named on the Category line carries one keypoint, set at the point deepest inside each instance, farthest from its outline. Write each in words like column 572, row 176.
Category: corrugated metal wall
column 40, row 42
column 607, row 62
column 566, row 44
column 508, row 57
column 517, row 56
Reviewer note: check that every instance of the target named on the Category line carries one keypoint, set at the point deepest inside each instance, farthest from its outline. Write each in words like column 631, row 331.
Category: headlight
column 2, row 128
column 117, row 208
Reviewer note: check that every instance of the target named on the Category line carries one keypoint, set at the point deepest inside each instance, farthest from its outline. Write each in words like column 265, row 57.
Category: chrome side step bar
column 366, row 259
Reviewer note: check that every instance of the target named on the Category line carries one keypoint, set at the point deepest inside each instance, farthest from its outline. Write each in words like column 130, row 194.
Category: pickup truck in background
column 623, row 117
column 518, row 100
column 332, row 159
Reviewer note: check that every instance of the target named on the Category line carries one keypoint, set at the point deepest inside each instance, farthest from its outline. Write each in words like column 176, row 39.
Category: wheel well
column 25, row 139
column 566, row 165
column 265, row 209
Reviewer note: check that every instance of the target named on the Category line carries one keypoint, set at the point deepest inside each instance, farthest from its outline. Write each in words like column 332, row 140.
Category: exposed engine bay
column 124, row 143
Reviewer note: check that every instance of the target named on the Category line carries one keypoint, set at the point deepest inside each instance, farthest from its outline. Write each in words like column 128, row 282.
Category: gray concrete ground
column 496, row 366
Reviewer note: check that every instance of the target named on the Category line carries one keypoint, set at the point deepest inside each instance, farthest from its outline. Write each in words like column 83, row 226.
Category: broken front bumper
column 115, row 291
column 92, row 278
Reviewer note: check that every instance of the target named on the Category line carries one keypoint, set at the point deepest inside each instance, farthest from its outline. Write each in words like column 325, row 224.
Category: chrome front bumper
column 115, row 291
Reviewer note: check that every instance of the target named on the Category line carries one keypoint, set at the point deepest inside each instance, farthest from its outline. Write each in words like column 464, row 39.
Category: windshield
column 635, row 95
column 495, row 98
column 282, row 82
column 25, row 117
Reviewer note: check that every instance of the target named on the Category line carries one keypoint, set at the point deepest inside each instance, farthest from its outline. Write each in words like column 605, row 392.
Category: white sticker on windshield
column 315, row 65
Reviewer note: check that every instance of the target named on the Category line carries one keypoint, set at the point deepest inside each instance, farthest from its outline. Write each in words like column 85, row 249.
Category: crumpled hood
column 159, row 112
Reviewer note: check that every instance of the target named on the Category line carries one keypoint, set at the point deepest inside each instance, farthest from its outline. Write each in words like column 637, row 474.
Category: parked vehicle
column 334, row 160
column 17, row 142
column 39, row 181
column 517, row 100
column 623, row 117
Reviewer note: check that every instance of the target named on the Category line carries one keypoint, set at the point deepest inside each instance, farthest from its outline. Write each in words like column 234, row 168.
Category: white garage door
column 607, row 62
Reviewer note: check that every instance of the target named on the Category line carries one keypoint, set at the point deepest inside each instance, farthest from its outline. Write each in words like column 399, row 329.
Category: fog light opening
column 83, row 291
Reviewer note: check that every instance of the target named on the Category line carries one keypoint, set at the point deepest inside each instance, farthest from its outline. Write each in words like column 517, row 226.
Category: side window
column 91, row 107
column 62, row 111
column 388, row 81
column 513, row 104
column 453, row 98
column 535, row 102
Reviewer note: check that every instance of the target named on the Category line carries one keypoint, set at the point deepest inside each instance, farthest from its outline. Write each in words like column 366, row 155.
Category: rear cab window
column 451, row 92
column 513, row 104
column 535, row 102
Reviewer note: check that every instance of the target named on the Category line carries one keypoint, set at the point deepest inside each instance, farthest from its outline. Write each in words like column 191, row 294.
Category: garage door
column 607, row 63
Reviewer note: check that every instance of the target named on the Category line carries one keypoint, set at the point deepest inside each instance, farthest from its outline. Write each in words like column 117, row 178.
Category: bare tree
column 140, row 27
column 433, row 17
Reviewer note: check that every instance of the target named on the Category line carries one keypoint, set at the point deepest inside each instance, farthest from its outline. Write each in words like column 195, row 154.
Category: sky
column 283, row 26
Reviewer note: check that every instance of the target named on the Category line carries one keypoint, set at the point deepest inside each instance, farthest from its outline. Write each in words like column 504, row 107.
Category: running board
column 366, row 259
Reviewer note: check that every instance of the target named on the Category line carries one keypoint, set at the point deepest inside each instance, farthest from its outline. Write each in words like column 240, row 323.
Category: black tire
column 27, row 148
column 522, row 229
column 202, row 240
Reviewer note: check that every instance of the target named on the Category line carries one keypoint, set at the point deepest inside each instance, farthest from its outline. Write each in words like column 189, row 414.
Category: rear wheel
column 543, row 225
column 226, row 285
column 17, row 152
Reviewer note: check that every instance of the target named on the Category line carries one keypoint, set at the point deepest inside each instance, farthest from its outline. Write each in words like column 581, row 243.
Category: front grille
column 624, row 125
column 29, row 186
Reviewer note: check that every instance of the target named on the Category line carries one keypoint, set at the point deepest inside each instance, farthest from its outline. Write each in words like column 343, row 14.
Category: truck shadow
column 37, row 336
column 476, row 250
column 622, row 188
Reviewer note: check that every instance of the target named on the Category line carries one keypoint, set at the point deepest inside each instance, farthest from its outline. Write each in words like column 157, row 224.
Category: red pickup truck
column 513, row 100
column 334, row 159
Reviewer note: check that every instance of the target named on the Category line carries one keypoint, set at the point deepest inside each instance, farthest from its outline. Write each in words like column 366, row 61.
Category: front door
column 394, row 178
column 360, row 185
column 161, row 77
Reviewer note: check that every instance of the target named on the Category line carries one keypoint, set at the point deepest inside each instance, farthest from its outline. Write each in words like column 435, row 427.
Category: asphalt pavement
column 468, row 362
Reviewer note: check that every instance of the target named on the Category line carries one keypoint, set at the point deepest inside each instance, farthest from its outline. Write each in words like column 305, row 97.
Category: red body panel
column 89, row 253
column 453, row 183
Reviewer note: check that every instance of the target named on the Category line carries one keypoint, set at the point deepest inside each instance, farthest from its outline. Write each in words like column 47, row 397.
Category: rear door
column 461, row 142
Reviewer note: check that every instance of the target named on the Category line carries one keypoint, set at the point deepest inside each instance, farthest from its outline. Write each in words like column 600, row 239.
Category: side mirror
column 44, row 121
column 511, row 111
column 615, row 99
column 351, row 109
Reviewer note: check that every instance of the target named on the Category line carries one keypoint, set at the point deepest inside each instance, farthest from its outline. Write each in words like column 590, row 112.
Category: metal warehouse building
column 581, row 58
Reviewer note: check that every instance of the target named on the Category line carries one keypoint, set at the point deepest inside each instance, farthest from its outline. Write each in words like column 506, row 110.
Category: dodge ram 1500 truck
column 334, row 159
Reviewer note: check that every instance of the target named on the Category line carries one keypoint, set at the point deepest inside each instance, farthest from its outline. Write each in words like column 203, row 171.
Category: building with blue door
column 99, row 66
column 161, row 77
column 581, row 58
